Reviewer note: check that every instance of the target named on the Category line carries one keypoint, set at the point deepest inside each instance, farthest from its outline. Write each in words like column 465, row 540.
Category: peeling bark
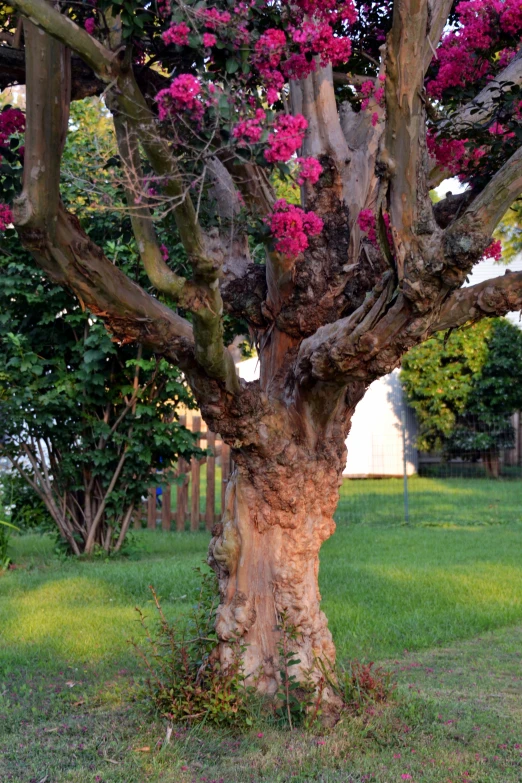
column 279, row 510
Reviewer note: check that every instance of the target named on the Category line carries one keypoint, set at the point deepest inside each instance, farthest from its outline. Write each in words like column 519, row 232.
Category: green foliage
column 26, row 509
column 465, row 386
column 186, row 681
column 88, row 423
column 75, row 405
column 4, row 543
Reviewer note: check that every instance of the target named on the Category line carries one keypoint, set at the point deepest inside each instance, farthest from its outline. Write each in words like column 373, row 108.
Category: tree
column 464, row 388
column 87, row 424
column 361, row 270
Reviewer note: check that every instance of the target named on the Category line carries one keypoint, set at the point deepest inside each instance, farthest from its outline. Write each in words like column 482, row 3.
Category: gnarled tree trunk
column 280, row 502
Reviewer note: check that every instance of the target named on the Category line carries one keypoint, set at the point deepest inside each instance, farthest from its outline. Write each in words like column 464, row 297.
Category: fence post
column 151, row 509
column 181, row 496
column 225, row 473
column 194, row 475
column 210, row 500
column 165, row 508
column 405, row 467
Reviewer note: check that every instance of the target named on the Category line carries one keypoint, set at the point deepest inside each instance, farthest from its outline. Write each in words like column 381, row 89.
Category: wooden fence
column 187, row 511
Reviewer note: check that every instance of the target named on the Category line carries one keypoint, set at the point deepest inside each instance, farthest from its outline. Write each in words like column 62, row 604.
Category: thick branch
column 481, row 108
column 54, row 237
column 487, row 210
column 158, row 272
column 102, row 61
column 405, row 120
column 494, row 297
column 324, row 135
column 438, row 11
column 84, row 83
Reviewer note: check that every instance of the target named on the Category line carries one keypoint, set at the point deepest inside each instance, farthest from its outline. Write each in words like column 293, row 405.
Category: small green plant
column 5, row 560
column 186, row 681
column 363, row 684
column 298, row 702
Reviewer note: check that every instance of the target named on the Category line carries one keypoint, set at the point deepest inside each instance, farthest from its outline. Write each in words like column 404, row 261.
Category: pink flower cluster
column 6, row 216
column 463, row 53
column 292, row 226
column 209, row 40
column 370, row 90
column 286, row 137
column 249, row 131
column 11, row 121
column 494, row 250
column 319, row 39
column 214, row 18
column 330, row 9
column 366, row 222
column 183, row 96
column 177, row 34
column 452, row 155
column 275, row 61
column 309, row 170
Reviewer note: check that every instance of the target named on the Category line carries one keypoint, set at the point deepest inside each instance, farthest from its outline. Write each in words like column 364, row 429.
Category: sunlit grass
column 67, row 671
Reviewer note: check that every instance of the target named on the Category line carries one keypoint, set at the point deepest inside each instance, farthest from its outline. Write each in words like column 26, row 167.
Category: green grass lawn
column 437, row 589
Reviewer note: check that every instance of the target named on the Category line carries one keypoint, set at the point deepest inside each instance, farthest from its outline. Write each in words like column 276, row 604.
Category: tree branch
column 103, row 62
column 492, row 203
column 494, row 297
column 438, row 12
column 404, row 121
column 480, row 109
column 158, row 272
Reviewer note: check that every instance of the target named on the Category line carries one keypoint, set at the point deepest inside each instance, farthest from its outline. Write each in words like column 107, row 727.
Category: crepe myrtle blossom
column 309, row 170
column 286, row 137
column 291, row 226
column 6, row 216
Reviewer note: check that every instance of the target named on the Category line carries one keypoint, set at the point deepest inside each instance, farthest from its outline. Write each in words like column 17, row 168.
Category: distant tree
column 85, row 422
column 464, row 387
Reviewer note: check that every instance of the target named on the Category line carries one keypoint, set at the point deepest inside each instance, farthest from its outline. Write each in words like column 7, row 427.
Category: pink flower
column 260, row 734
column 177, row 34
column 214, row 18
column 209, row 40
column 164, row 252
column 183, row 95
column 286, row 138
column 292, row 226
column 309, row 169
column 90, row 25
column 405, row 776
column 366, row 222
column 6, row 216
column 249, row 131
